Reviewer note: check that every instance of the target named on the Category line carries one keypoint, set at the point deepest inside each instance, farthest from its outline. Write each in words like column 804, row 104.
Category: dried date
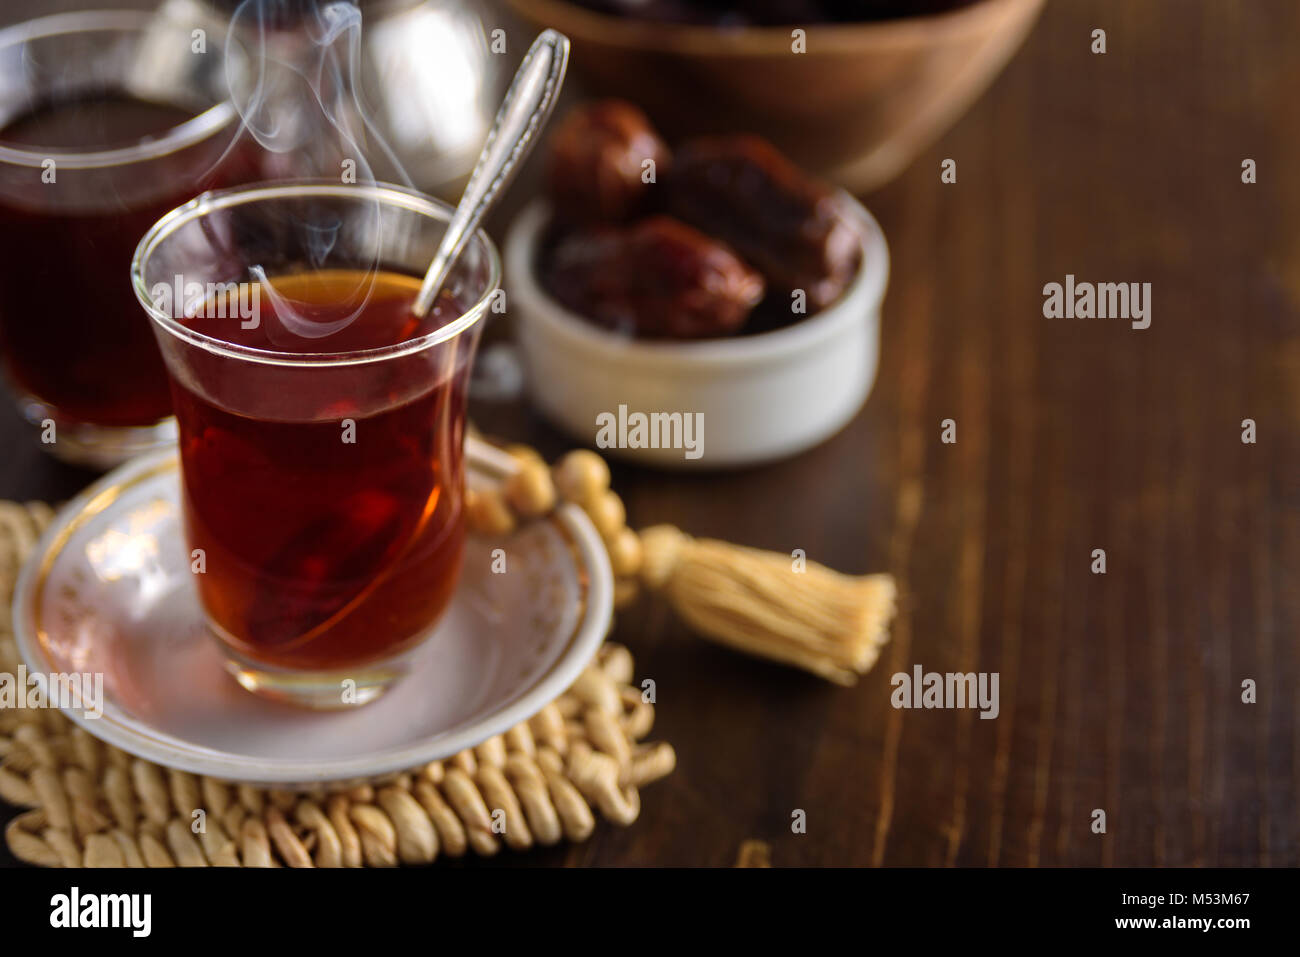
column 657, row 279
column 598, row 162
column 782, row 221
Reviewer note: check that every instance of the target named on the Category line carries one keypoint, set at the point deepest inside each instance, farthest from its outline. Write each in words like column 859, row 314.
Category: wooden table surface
column 1122, row 691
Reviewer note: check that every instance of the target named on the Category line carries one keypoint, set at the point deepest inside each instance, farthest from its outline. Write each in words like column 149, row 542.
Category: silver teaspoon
column 528, row 103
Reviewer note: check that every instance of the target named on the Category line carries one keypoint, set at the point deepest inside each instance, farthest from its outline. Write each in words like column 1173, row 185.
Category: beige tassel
column 754, row 601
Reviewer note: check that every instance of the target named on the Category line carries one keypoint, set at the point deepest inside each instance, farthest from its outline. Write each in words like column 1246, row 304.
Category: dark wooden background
column 1120, row 692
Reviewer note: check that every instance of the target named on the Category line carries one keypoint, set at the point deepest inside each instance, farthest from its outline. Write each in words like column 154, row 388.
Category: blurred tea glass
column 321, row 424
column 107, row 120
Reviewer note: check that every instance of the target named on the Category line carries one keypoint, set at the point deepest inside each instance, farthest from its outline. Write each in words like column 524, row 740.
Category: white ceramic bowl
column 763, row 397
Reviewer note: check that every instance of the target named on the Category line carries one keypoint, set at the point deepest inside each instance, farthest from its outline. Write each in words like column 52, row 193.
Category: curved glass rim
column 208, row 202
column 193, row 130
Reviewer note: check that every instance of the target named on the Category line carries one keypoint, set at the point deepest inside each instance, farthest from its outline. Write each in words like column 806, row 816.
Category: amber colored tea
column 71, row 333
column 332, row 538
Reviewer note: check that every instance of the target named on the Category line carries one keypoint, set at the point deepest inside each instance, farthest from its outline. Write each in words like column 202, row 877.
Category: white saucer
column 108, row 589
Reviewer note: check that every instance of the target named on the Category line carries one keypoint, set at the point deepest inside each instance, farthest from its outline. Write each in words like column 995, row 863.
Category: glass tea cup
column 321, row 424
column 107, row 120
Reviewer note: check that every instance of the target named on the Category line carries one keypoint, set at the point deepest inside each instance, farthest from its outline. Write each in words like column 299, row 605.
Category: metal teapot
column 425, row 82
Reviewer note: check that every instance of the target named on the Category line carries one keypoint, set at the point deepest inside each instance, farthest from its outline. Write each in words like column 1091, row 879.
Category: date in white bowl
column 756, row 398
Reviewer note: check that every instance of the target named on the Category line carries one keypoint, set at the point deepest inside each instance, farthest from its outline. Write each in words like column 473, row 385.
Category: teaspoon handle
column 528, row 103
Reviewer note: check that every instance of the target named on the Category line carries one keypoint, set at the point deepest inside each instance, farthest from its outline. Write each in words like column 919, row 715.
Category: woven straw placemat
column 541, row 782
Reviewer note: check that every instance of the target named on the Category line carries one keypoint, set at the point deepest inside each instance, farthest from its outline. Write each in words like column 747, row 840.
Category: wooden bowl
column 855, row 108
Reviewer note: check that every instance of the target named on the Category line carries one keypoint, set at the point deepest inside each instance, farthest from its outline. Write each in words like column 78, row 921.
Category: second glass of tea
column 108, row 119
column 321, row 424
